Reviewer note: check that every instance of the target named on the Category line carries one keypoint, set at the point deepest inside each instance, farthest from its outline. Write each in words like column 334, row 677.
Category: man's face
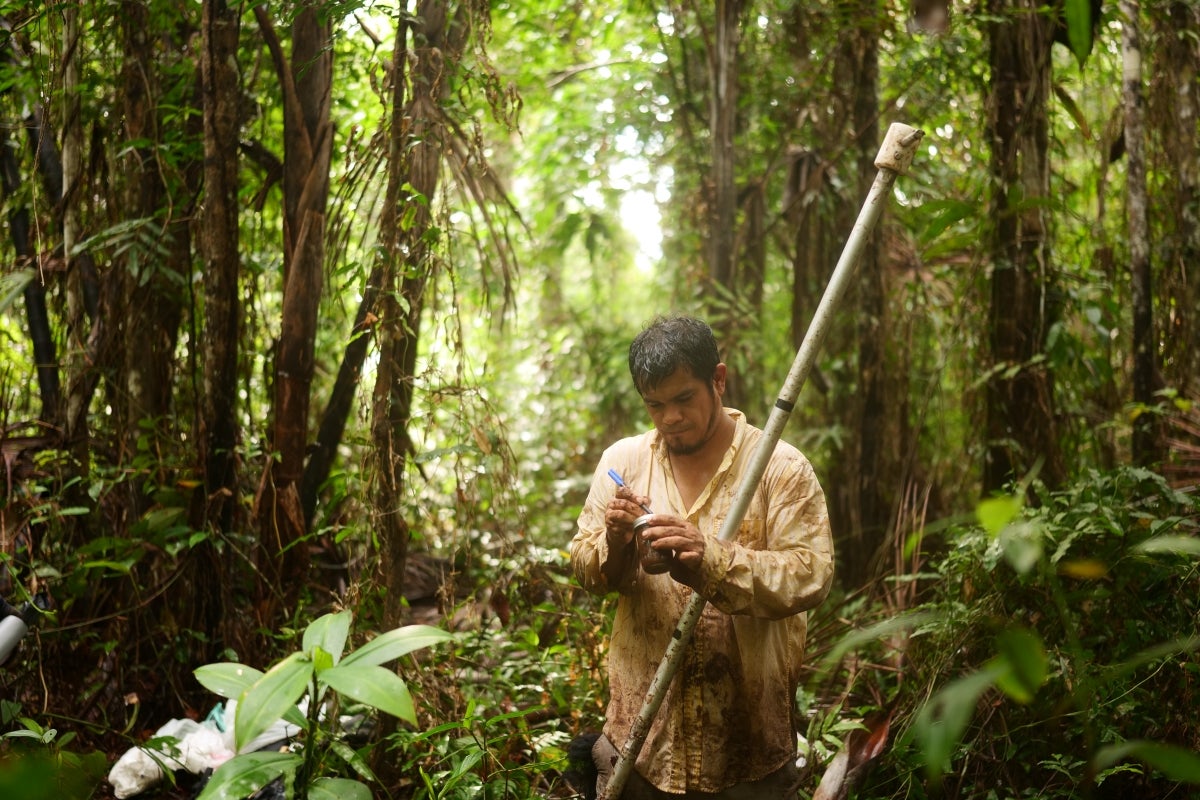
column 685, row 410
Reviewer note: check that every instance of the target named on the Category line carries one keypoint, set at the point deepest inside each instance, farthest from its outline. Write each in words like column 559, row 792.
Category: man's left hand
column 684, row 539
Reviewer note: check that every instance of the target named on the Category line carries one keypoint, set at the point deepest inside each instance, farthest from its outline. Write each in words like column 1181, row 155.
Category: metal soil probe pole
column 894, row 157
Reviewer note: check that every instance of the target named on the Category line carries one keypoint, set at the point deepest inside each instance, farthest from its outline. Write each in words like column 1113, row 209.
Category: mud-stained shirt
column 727, row 717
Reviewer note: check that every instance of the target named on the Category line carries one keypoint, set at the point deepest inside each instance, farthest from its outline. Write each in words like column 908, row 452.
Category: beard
column 683, row 448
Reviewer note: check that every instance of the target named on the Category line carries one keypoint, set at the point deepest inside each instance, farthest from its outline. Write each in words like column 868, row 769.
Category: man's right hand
column 622, row 510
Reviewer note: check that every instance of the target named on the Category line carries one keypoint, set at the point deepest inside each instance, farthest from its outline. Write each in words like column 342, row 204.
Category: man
column 725, row 728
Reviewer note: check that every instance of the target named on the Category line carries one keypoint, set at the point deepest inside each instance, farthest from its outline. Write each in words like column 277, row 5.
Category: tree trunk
column 1174, row 110
column 307, row 150
column 217, row 428
column 879, row 404
column 150, row 308
column 341, row 399
column 417, row 137
column 722, row 123
column 1145, row 348
column 725, row 297
column 222, row 312
column 1021, row 427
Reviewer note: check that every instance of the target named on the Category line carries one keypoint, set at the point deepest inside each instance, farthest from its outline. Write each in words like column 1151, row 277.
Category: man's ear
column 719, row 379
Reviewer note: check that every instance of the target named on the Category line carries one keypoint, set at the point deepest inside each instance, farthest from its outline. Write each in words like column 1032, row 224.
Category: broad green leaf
column 227, row 679
column 875, row 633
column 1177, row 763
column 395, row 643
column 1022, row 546
column 271, row 695
column 1020, row 666
column 942, row 214
column 941, row 721
column 1079, row 27
column 1184, row 545
column 995, row 513
column 353, row 758
column 338, row 789
column 378, row 687
column 329, row 633
column 1116, row 672
column 243, row 775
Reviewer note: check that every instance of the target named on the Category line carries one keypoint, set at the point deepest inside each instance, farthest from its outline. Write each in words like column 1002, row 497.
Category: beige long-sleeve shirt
column 728, row 715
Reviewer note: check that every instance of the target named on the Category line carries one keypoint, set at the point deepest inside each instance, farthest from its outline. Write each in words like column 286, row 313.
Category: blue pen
column 612, row 473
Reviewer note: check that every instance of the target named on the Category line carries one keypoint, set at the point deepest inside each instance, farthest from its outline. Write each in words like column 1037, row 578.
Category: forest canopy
column 315, row 321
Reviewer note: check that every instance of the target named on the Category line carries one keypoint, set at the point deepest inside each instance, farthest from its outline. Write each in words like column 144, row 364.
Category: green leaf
column 1020, row 665
column 1184, row 545
column 329, row 633
column 1022, row 546
column 378, row 687
column 243, row 775
column 13, row 284
column 1079, row 28
column 271, row 695
column 338, row 789
column 877, row 632
column 941, row 721
column 227, row 679
column 395, row 643
column 995, row 513
column 1177, row 763
column 353, row 758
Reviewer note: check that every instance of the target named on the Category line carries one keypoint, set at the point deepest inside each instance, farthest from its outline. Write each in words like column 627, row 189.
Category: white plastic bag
column 197, row 747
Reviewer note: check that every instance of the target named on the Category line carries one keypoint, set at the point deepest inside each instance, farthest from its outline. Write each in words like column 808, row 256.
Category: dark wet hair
column 668, row 343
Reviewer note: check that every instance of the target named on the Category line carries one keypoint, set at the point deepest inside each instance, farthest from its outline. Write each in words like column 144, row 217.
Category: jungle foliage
column 317, row 311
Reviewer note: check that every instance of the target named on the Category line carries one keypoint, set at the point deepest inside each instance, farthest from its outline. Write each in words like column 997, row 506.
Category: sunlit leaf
column 995, row 513
column 227, row 679
column 395, row 643
column 376, row 686
column 265, row 702
column 330, row 633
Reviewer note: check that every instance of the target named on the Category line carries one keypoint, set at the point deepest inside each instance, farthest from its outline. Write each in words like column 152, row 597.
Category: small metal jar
column 654, row 562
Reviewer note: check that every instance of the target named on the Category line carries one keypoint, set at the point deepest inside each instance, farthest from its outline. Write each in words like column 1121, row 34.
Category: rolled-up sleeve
column 781, row 560
column 589, row 549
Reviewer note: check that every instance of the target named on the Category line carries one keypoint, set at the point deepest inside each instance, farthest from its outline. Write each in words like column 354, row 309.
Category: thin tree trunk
column 725, row 298
column 878, row 408
column 307, row 150
column 1021, row 428
column 341, row 399
column 222, row 312
column 722, row 122
column 1174, row 111
column 416, row 145
column 1145, row 349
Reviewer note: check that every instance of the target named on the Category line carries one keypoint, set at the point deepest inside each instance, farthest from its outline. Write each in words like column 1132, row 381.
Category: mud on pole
column 894, row 158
